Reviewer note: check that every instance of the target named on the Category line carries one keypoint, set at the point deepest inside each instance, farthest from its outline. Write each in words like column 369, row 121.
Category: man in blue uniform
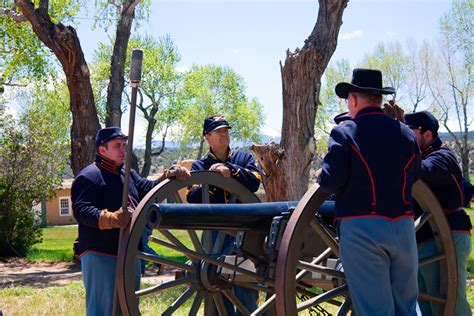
column 96, row 202
column 372, row 163
column 238, row 164
column 441, row 172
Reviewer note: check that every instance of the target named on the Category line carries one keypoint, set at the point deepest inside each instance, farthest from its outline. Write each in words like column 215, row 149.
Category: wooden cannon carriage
column 287, row 251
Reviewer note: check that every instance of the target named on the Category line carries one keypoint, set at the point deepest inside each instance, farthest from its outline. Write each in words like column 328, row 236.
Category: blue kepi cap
column 423, row 120
column 213, row 123
column 107, row 134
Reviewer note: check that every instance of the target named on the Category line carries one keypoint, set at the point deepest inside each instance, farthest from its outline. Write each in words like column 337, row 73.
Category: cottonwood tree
column 451, row 77
column 160, row 99
column 46, row 21
column 287, row 164
column 216, row 90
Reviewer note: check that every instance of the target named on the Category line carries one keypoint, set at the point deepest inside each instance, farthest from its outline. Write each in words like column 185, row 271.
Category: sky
column 252, row 37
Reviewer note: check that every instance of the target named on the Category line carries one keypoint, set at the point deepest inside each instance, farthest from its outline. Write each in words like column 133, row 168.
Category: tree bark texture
column 64, row 43
column 287, row 178
column 148, row 139
column 117, row 64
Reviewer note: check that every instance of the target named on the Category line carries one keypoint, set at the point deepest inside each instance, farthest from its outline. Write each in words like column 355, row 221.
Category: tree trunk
column 64, row 43
column 148, row 139
column 117, row 64
column 301, row 82
column 201, row 147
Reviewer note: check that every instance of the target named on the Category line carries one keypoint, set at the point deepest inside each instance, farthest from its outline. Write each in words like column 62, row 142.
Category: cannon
column 287, row 251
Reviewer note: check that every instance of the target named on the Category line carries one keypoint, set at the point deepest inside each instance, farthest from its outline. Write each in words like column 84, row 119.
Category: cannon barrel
column 248, row 216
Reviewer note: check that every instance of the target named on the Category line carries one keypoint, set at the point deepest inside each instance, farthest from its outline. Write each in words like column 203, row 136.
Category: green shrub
column 30, row 163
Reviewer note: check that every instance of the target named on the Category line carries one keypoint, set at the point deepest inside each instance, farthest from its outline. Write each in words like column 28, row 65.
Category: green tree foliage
column 32, row 156
column 391, row 59
column 330, row 103
column 451, row 76
column 23, row 56
column 216, row 90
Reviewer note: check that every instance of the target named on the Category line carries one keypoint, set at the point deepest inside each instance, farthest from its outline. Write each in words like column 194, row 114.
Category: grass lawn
column 58, row 241
column 56, row 245
column 470, row 263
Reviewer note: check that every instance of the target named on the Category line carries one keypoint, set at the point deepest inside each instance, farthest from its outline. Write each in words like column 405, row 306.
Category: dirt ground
column 40, row 275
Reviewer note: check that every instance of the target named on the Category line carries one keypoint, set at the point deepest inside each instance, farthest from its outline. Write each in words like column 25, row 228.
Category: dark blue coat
column 441, row 172
column 99, row 186
column 242, row 166
column 372, row 163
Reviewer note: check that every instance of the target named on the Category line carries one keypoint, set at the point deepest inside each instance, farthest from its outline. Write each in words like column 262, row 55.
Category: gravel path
column 40, row 275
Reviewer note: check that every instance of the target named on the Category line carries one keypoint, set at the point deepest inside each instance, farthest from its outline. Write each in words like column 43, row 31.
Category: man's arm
column 193, row 194
column 335, row 167
column 85, row 196
column 248, row 173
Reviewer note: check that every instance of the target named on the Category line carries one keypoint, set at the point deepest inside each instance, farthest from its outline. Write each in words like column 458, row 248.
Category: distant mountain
column 445, row 136
column 173, row 145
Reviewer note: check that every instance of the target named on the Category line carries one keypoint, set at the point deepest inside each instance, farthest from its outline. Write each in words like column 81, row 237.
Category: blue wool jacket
column 242, row 166
column 441, row 172
column 99, row 186
column 372, row 163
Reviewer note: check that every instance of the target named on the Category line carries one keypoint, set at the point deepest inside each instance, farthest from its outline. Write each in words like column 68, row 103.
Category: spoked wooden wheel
column 201, row 286
column 296, row 267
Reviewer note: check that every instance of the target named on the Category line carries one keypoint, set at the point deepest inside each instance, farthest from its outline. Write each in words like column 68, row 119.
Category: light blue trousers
column 98, row 274
column 380, row 262
column 428, row 276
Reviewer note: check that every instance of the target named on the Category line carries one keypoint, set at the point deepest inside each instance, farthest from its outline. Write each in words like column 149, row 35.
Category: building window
column 64, row 206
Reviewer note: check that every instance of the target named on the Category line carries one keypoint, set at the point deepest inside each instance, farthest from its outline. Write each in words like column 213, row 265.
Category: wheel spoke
column 216, row 262
column 205, row 193
column 196, row 303
column 322, row 298
column 217, row 248
column 172, row 238
column 420, row 221
column 320, row 269
column 167, row 262
column 325, row 236
column 180, row 300
column 207, row 241
column 432, row 298
column 344, row 308
column 195, row 240
column 165, row 286
column 177, row 198
column 255, row 286
column 219, row 301
column 265, row 306
column 208, row 304
column 232, row 198
column 431, row 260
column 316, row 260
column 231, row 296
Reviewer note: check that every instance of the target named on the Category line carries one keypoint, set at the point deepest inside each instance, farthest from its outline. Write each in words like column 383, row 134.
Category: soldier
column 372, row 163
column 441, row 172
column 96, row 202
column 228, row 163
